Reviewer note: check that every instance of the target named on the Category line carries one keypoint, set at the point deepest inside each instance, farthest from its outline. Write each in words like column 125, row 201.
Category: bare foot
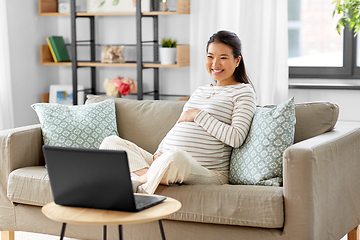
column 142, row 175
column 141, row 172
column 142, row 178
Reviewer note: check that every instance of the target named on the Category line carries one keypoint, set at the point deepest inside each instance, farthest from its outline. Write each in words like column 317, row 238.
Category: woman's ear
column 238, row 61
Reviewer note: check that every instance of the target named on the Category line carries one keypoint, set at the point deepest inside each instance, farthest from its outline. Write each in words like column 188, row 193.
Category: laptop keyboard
column 143, row 202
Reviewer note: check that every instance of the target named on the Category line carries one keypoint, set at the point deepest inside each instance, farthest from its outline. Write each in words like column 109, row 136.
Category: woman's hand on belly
column 156, row 156
column 188, row 115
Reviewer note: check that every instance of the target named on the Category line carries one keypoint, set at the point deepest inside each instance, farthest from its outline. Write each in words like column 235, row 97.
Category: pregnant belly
column 188, row 136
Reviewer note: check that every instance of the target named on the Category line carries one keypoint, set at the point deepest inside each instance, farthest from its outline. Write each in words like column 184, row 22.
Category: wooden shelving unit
column 49, row 8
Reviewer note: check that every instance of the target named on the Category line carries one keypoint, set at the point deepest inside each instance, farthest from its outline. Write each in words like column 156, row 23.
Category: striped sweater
column 222, row 124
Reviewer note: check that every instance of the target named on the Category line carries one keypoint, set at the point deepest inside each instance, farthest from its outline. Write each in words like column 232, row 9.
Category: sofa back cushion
column 146, row 122
column 314, row 118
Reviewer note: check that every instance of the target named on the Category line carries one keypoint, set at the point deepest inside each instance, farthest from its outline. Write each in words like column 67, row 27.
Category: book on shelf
column 58, row 49
column 51, row 50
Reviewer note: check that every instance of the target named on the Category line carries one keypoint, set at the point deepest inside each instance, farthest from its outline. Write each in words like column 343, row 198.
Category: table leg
column 120, row 232
column 104, row 232
column 161, row 230
column 63, row 231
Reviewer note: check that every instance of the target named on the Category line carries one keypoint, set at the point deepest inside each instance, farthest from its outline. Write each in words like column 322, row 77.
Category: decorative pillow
column 259, row 160
column 76, row 126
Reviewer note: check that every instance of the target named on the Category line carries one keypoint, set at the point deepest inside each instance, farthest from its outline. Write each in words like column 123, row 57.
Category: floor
column 34, row 236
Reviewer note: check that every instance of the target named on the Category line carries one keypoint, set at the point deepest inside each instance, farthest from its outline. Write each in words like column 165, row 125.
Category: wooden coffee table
column 88, row 216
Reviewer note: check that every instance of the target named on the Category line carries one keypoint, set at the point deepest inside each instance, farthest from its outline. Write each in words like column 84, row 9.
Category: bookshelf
column 49, row 8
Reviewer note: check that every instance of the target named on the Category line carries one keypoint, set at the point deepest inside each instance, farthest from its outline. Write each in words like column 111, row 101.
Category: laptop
column 94, row 178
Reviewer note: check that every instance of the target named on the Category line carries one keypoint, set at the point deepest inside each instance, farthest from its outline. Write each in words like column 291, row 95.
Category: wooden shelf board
column 94, row 64
column 161, row 13
column 97, row 64
column 56, row 63
column 183, row 52
column 108, row 14
column 105, row 14
column 53, row 14
column 50, row 8
column 158, row 65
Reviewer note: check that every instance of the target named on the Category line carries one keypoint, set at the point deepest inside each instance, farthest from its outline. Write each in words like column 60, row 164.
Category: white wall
column 29, row 79
column 27, row 31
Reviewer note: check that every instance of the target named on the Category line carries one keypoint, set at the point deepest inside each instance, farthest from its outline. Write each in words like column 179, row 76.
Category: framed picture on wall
column 63, row 94
column 116, row 5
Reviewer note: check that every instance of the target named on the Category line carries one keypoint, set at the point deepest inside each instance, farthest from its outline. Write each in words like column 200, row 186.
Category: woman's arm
column 233, row 135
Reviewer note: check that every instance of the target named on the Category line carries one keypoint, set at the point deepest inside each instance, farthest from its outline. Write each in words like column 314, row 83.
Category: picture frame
column 63, row 94
column 116, row 6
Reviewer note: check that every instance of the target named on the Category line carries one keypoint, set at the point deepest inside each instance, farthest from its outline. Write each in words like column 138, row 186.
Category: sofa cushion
column 31, row 185
column 259, row 160
column 256, row 206
column 145, row 122
column 314, row 118
column 244, row 205
column 76, row 126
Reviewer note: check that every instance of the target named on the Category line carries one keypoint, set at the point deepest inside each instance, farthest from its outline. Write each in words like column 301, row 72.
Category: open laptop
column 93, row 178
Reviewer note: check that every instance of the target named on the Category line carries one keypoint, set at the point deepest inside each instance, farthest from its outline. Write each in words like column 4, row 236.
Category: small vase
column 167, row 55
column 163, row 6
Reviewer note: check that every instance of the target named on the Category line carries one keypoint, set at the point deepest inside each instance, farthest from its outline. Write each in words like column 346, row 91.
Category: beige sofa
column 319, row 199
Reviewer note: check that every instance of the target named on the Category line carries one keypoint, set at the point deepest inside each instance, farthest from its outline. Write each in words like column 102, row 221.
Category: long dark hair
column 233, row 41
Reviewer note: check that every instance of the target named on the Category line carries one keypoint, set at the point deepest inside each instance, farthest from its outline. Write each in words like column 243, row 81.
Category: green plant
column 350, row 10
column 169, row 43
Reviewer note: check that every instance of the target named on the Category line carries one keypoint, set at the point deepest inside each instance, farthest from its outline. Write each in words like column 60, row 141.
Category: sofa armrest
column 20, row 147
column 321, row 185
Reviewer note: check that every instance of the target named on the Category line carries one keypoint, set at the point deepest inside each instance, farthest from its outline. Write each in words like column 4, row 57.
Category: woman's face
column 221, row 64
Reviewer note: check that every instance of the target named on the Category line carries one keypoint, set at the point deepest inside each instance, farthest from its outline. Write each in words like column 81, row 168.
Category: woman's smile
column 217, row 71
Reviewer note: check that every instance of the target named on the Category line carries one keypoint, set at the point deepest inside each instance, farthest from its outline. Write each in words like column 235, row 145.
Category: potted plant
column 350, row 9
column 168, row 51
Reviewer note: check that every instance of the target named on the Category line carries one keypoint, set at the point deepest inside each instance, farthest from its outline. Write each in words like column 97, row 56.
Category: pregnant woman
column 216, row 119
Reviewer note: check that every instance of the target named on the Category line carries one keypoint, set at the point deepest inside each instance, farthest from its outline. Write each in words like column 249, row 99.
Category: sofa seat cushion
column 244, row 205
column 30, row 185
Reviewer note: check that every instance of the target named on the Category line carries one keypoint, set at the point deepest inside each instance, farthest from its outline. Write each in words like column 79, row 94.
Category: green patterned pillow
column 259, row 160
column 76, row 126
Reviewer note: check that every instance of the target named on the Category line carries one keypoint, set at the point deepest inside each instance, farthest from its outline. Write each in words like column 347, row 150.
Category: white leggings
column 174, row 166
